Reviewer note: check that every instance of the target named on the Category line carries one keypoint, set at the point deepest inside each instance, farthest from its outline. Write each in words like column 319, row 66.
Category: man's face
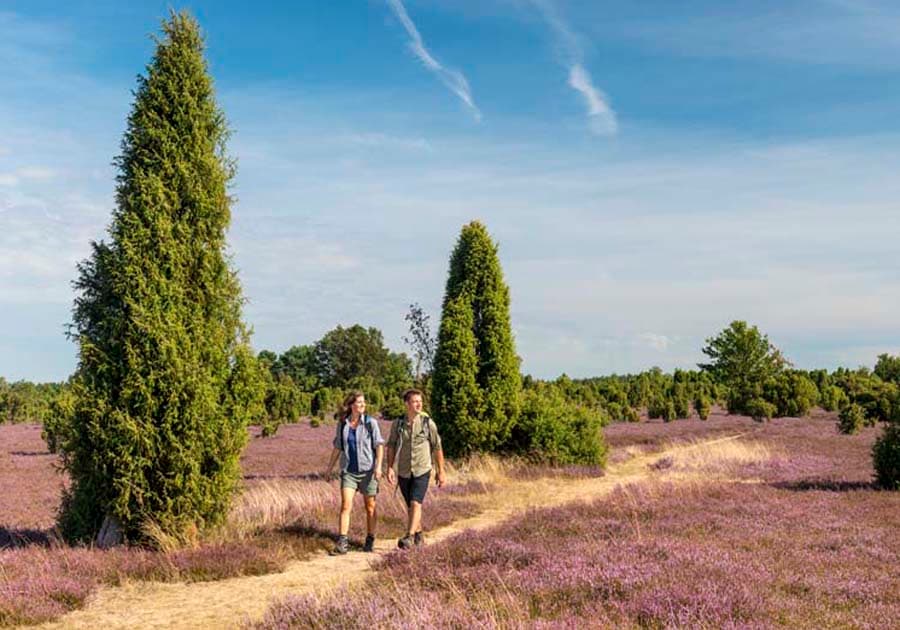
column 414, row 404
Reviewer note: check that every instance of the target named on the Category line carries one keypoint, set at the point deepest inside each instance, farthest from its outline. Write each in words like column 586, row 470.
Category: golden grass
column 719, row 455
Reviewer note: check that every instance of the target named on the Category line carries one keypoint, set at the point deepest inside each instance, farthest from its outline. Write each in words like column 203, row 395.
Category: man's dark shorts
column 414, row 488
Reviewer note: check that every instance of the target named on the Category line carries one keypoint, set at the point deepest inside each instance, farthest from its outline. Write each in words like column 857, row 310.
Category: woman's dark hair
column 348, row 403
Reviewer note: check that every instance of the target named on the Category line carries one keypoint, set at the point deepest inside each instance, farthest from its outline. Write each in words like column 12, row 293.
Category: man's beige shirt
column 414, row 458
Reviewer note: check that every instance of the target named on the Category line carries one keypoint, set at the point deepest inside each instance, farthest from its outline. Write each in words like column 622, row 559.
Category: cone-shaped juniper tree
column 475, row 396
column 166, row 381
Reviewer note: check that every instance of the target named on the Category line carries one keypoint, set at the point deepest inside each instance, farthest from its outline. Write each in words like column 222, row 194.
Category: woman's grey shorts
column 365, row 482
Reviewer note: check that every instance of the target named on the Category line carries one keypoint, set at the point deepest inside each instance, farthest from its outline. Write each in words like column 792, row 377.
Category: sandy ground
column 233, row 602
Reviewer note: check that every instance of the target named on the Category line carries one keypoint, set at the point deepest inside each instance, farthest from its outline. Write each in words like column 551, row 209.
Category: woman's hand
column 377, row 473
column 391, row 476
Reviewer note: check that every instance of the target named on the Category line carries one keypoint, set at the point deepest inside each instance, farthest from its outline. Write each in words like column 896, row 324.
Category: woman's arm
column 335, row 453
column 379, row 458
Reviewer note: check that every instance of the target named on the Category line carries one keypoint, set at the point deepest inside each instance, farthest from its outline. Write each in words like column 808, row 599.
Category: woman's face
column 359, row 405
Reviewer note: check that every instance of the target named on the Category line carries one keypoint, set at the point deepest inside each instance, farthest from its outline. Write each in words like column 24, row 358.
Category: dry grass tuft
column 725, row 455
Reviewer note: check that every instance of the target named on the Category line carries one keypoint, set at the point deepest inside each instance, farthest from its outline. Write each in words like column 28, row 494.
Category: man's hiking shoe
column 342, row 546
column 370, row 543
column 406, row 542
column 418, row 539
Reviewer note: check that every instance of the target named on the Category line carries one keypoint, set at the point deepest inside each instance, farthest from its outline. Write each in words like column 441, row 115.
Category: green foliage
column 877, row 397
column 760, row 410
column 326, row 401
column 356, row 352
column 742, row 359
column 298, row 362
column 656, row 407
column 57, row 429
column 833, row 398
column 166, row 382
column 669, row 412
column 681, row 402
column 555, row 431
column 476, row 382
column 702, row 406
column 792, row 393
column 284, row 404
column 24, row 401
column 886, row 457
column 851, row 419
column 887, row 368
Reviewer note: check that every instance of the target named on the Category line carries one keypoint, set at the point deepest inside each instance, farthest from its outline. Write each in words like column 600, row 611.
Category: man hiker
column 415, row 443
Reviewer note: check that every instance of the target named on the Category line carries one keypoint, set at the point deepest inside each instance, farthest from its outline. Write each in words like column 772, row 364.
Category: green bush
column 555, row 431
column 682, row 405
column 886, row 457
column 57, row 430
column 792, row 393
column 656, row 408
column 632, row 415
column 669, row 411
column 393, row 407
column 326, row 402
column 760, row 410
column 851, row 419
column 703, row 406
column 833, row 398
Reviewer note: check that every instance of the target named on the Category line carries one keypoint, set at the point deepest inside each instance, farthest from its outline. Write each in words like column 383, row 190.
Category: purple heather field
column 41, row 578
column 801, row 541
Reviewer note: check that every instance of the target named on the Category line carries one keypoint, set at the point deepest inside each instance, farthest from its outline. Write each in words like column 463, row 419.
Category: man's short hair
column 409, row 393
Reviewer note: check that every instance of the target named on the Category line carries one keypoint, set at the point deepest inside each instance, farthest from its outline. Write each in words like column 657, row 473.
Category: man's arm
column 439, row 460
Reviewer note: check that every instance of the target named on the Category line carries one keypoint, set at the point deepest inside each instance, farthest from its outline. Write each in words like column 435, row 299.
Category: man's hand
column 440, row 478
column 328, row 475
column 391, row 476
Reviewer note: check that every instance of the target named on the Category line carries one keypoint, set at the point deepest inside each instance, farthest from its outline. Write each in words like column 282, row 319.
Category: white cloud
column 601, row 118
column 453, row 79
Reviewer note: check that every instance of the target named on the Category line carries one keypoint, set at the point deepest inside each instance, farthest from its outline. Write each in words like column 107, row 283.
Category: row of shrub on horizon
column 298, row 388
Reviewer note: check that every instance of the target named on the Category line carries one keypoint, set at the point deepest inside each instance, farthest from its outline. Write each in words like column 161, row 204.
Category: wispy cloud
column 601, row 118
column 454, row 79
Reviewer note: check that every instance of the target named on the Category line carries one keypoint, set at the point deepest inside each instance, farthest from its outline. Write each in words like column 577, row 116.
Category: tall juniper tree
column 166, row 381
column 476, row 371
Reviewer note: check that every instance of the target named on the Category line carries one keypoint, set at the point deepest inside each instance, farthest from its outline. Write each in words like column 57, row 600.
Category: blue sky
column 651, row 170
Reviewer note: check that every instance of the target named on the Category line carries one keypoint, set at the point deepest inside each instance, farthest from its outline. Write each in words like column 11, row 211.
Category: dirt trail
column 229, row 603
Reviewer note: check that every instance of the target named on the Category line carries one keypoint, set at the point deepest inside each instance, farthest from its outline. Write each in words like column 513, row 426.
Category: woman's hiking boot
column 370, row 543
column 342, row 546
column 406, row 542
column 418, row 539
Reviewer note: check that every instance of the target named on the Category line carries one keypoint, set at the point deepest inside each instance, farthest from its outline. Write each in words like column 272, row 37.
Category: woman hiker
column 359, row 445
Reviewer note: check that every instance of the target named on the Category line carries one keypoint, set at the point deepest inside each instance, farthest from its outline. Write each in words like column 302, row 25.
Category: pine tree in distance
column 166, row 381
column 475, row 396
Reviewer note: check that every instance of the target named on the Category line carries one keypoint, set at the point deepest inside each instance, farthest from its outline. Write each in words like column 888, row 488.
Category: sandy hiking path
column 232, row 602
